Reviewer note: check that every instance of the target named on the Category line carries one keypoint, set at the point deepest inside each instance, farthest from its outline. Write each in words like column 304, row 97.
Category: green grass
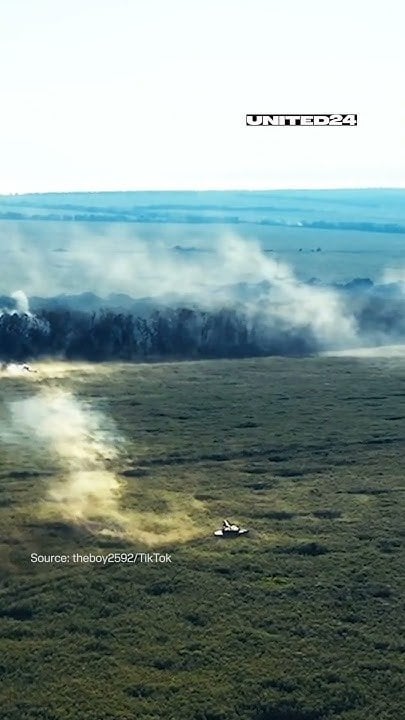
column 301, row 620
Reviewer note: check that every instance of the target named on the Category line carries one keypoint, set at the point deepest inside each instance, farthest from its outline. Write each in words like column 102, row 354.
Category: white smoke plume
column 21, row 305
column 296, row 304
column 21, row 301
column 29, row 323
column 394, row 276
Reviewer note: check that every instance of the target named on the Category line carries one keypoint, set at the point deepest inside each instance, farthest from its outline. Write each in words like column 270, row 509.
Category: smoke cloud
column 20, row 330
column 394, row 275
column 216, row 273
column 21, row 301
column 209, row 280
column 17, row 304
column 283, row 297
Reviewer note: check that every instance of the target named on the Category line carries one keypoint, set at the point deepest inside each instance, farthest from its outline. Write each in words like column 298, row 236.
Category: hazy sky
column 152, row 94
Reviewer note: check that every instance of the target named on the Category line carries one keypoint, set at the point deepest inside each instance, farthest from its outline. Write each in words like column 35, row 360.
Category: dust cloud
column 88, row 489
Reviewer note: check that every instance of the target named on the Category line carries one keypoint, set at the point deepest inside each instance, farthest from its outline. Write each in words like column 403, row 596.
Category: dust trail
column 72, row 433
column 67, row 369
column 88, row 491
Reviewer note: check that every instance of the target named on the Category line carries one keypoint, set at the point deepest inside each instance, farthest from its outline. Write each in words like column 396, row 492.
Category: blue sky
column 151, row 94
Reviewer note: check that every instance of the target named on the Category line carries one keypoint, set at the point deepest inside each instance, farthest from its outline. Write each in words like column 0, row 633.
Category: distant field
column 301, row 620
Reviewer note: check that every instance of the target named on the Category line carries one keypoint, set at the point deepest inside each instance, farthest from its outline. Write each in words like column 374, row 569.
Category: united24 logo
column 302, row 120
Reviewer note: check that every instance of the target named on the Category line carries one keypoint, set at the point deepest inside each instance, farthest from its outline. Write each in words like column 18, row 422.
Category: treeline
column 171, row 216
column 170, row 333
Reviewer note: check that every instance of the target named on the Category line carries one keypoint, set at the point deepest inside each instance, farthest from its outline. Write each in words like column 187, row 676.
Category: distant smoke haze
column 112, row 260
column 142, row 269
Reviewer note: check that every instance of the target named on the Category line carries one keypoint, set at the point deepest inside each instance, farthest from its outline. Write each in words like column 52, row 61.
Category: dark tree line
column 180, row 333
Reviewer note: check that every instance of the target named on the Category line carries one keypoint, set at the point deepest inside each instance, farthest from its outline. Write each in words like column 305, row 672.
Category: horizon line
column 206, row 190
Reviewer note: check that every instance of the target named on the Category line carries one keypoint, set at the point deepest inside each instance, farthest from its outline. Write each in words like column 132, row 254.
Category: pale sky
column 152, row 94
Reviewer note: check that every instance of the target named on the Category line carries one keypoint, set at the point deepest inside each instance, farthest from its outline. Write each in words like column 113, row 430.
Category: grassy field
column 301, row 620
